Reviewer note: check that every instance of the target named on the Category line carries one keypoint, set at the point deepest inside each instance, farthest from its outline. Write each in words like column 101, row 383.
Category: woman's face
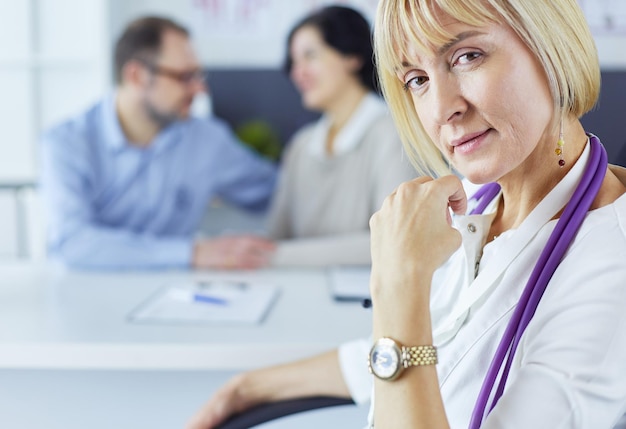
column 319, row 72
column 484, row 100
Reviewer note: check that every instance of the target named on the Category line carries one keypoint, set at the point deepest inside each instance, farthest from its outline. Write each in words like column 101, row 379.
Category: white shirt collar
column 557, row 198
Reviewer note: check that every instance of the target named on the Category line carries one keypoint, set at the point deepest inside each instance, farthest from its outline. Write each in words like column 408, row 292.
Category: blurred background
column 55, row 60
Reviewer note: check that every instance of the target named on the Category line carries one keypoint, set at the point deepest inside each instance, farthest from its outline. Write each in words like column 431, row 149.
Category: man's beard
column 160, row 118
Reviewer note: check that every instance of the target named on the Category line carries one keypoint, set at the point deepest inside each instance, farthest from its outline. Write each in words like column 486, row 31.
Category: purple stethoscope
column 550, row 258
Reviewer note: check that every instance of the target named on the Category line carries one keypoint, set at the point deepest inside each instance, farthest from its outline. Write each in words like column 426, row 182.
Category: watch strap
column 419, row 356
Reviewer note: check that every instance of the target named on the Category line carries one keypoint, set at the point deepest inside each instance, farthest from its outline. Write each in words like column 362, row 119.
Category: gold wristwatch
column 388, row 359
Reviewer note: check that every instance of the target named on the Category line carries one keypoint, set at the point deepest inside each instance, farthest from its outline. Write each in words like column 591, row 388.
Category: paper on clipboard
column 213, row 301
column 350, row 283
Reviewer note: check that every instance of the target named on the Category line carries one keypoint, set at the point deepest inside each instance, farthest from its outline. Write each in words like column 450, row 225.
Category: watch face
column 385, row 359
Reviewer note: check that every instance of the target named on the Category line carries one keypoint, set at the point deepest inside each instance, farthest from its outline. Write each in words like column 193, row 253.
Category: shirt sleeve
column 353, row 364
column 74, row 235
column 243, row 178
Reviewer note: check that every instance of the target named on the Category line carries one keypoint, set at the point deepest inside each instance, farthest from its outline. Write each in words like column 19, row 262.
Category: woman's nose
column 448, row 102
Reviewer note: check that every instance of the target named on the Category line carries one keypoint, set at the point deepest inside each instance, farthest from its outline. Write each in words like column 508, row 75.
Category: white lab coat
column 570, row 367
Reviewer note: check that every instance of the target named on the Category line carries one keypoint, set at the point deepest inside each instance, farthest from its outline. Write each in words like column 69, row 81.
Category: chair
column 26, row 220
column 275, row 410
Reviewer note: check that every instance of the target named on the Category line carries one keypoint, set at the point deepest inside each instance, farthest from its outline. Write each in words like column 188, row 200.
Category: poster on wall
column 260, row 18
column 234, row 18
column 366, row 7
column 253, row 32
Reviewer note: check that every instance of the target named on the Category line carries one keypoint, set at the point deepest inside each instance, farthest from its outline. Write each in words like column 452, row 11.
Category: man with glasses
column 127, row 182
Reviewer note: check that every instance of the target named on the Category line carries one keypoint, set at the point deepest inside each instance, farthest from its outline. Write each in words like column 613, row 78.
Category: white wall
column 54, row 61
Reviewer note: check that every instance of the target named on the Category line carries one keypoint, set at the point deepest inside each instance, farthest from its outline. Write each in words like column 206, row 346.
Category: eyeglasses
column 183, row 77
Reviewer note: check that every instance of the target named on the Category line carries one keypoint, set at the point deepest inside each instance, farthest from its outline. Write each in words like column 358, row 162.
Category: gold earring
column 559, row 147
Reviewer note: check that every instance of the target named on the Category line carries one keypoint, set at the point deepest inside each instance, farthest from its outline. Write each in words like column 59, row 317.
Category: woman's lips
column 469, row 143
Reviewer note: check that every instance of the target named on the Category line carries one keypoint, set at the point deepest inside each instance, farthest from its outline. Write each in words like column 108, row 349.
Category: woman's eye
column 415, row 83
column 467, row 58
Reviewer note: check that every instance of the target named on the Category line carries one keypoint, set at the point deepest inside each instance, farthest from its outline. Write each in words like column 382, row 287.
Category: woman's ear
column 354, row 63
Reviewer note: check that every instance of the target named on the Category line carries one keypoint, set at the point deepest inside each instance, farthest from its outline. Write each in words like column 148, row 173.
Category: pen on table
column 198, row 297
column 189, row 296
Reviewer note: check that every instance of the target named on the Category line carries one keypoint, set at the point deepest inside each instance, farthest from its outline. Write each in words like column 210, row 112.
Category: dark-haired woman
column 337, row 171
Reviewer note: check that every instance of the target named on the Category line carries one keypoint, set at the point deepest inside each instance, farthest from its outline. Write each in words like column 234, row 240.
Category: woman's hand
column 319, row 375
column 227, row 401
column 238, row 252
column 411, row 236
column 413, row 227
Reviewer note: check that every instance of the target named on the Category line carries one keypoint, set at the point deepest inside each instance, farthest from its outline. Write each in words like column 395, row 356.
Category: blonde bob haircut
column 554, row 30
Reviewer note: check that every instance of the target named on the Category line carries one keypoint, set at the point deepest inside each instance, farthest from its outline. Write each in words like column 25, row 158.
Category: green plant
column 261, row 137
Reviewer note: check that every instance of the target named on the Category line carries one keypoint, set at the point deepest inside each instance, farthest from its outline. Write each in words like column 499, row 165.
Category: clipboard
column 207, row 302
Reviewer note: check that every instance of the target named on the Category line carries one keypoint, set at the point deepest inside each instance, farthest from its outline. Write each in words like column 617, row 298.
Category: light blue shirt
column 112, row 205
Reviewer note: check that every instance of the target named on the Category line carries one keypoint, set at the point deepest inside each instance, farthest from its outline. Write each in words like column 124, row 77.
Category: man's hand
column 233, row 252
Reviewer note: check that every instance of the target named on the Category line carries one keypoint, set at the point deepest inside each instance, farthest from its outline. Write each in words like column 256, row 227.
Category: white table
column 69, row 358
